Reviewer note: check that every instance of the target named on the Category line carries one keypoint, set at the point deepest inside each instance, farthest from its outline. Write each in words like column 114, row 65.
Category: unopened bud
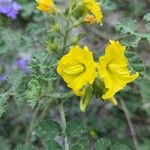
column 90, row 19
column 56, row 28
column 53, row 46
column 85, row 99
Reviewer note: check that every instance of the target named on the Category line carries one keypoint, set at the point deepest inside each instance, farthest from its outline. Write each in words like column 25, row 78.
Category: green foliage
column 118, row 146
column 102, row 144
column 3, row 145
column 52, row 145
column 145, row 145
column 42, row 75
column 47, row 130
column 15, row 79
column 81, row 144
column 33, row 92
column 127, row 26
column 3, row 103
column 147, row 17
column 74, row 128
column 105, row 144
column 136, row 64
column 108, row 5
column 27, row 10
column 144, row 86
column 24, row 147
column 9, row 40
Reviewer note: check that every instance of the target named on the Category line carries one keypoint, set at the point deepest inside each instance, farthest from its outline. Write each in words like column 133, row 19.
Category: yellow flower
column 47, row 6
column 113, row 70
column 90, row 19
column 94, row 8
column 77, row 69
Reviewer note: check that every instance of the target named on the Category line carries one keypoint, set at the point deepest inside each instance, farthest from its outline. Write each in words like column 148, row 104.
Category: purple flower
column 23, row 65
column 10, row 8
column 3, row 78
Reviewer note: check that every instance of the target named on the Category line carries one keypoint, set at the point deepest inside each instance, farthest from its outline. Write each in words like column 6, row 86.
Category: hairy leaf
column 135, row 62
column 127, row 25
column 102, row 144
column 48, row 129
column 118, row 146
column 74, row 128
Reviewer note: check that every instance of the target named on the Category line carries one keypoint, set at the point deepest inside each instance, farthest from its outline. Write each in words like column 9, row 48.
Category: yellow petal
column 77, row 68
column 47, row 6
column 113, row 69
column 94, row 8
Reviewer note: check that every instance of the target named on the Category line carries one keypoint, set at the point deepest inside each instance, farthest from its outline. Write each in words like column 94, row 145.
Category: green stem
column 63, row 125
column 66, row 36
column 32, row 123
column 133, row 133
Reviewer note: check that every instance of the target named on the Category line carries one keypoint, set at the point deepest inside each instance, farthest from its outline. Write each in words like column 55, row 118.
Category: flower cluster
column 79, row 70
column 10, row 8
column 92, row 11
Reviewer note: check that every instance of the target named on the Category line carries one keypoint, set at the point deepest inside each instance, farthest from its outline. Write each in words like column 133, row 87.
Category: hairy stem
column 63, row 125
column 66, row 36
column 126, row 112
column 31, row 126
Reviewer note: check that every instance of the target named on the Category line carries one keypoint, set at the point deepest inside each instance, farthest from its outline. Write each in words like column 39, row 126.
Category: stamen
column 117, row 68
column 74, row 70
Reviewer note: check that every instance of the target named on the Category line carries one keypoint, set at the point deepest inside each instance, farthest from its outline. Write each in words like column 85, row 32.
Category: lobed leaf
column 74, row 127
column 48, row 130
column 135, row 62
column 118, row 146
column 102, row 144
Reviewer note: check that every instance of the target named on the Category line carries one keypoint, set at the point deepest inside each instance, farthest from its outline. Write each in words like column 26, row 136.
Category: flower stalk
column 63, row 125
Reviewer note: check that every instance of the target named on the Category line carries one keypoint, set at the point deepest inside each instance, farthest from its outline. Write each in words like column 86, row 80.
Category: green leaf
column 3, row 103
column 102, row 144
column 48, row 129
column 135, row 62
column 127, row 25
column 3, row 145
column 77, row 147
column 52, row 145
column 15, row 79
column 132, row 40
column 118, row 146
column 144, row 86
column 145, row 145
column 24, row 147
column 27, row 10
column 108, row 5
column 147, row 17
column 148, row 27
column 74, row 127
column 33, row 92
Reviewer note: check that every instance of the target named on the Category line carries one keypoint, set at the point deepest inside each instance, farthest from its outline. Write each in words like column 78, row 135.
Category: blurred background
column 23, row 39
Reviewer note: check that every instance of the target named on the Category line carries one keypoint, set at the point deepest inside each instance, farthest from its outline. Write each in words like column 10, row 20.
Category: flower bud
column 56, row 28
column 74, row 40
column 53, row 46
column 85, row 99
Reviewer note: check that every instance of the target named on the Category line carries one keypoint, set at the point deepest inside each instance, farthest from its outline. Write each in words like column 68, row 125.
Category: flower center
column 74, row 70
column 118, row 69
